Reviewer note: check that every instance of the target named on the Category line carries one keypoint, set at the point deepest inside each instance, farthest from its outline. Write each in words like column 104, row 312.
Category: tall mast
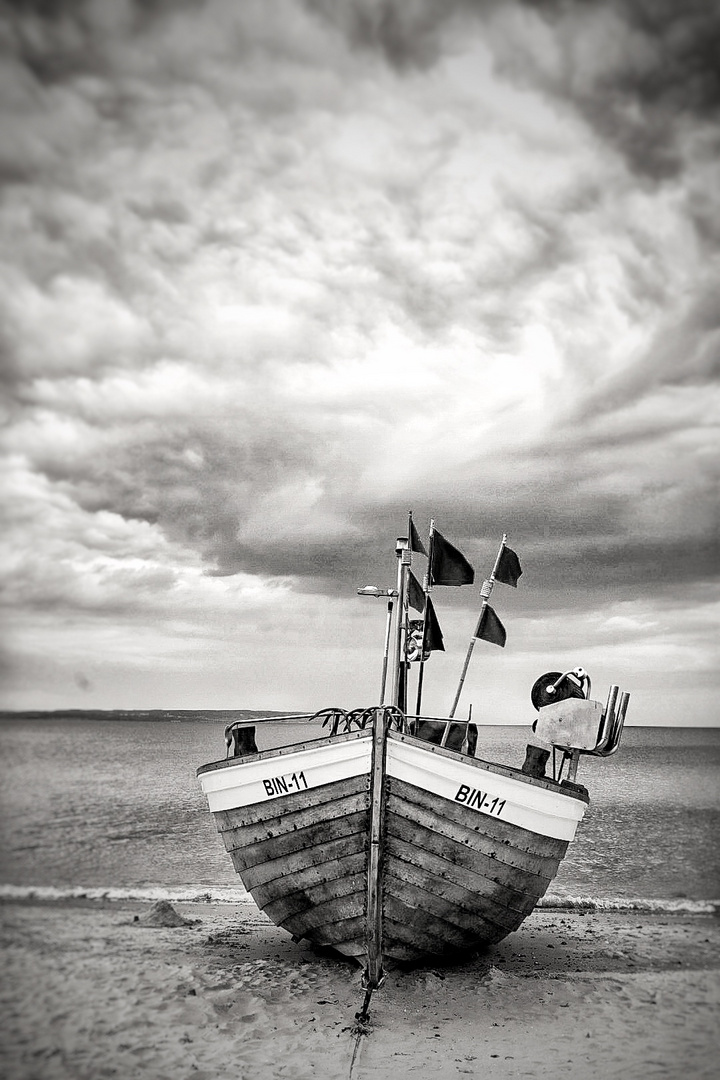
column 427, row 582
column 399, row 696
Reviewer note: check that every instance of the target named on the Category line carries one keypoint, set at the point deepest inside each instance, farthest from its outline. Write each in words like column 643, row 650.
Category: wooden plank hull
column 468, row 847
column 450, row 883
column 295, row 825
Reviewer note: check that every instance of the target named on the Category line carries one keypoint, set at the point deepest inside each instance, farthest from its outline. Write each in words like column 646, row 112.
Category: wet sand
column 90, row 990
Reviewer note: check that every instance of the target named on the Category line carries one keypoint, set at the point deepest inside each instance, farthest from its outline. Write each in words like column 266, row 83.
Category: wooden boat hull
column 301, row 854
column 467, row 849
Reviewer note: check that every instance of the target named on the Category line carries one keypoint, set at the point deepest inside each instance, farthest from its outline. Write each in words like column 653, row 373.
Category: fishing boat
column 379, row 833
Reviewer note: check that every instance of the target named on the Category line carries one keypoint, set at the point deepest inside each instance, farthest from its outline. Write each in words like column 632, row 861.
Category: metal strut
column 365, row 1010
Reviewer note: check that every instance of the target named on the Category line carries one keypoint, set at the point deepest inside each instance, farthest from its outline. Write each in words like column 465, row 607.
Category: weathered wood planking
column 520, row 882
column 428, row 916
column 404, row 954
column 306, row 879
column 479, row 902
column 430, row 844
column 434, row 866
column 423, row 926
column 314, row 799
column 404, row 943
column 402, row 931
column 317, row 921
column 299, row 860
column 347, row 935
column 310, row 877
column 323, row 832
column 499, row 839
column 476, row 839
column 283, row 905
column 475, row 925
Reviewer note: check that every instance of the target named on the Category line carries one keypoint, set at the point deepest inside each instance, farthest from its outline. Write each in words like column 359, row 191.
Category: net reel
column 556, row 686
column 569, row 721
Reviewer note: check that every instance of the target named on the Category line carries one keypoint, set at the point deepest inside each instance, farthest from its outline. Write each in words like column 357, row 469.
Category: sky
column 275, row 273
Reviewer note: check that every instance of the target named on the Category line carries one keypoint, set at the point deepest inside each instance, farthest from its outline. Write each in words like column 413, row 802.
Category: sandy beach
column 91, row 990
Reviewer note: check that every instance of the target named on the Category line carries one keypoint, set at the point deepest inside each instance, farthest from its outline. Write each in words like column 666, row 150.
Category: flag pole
column 405, row 678
column 426, row 589
column 487, row 587
column 402, row 550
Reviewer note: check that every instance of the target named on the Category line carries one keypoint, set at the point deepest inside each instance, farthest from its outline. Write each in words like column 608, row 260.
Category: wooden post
column 373, row 916
column 463, row 673
column 419, row 686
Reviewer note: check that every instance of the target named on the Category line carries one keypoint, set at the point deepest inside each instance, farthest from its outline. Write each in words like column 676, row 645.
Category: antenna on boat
column 372, row 590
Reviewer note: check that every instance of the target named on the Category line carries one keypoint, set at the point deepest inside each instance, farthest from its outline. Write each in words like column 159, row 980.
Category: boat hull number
column 284, row 785
column 479, row 800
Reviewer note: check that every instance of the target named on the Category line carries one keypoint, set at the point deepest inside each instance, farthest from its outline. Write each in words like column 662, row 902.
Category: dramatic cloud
column 276, row 274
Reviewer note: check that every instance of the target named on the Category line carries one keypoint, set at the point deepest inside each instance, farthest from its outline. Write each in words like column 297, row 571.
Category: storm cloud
column 275, row 275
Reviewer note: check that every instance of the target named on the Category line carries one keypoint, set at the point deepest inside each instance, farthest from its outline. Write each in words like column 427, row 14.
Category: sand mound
column 163, row 914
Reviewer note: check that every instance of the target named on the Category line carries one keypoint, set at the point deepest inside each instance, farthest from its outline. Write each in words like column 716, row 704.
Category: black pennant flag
column 433, row 634
column 416, row 596
column 508, row 568
column 489, row 627
column 449, row 566
column 416, row 543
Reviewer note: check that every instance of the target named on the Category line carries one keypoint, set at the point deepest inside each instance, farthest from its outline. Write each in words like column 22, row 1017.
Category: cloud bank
column 273, row 277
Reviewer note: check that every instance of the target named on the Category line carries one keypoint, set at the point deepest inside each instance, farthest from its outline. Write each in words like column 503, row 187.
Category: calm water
column 113, row 804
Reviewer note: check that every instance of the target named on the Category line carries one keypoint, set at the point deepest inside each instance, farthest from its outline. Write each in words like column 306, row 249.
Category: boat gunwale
column 509, row 771
column 281, row 751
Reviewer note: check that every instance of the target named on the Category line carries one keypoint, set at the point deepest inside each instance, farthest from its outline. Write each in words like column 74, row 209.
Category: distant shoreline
column 217, row 715
column 141, row 714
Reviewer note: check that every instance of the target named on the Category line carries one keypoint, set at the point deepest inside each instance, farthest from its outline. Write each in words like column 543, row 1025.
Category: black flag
column 415, row 541
column 508, row 568
column 489, row 627
column 433, row 634
column 448, row 565
column 416, row 596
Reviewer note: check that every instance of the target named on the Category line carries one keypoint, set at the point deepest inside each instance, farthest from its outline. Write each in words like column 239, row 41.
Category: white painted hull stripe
column 531, row 807
column 259, row 781
column 538, row 809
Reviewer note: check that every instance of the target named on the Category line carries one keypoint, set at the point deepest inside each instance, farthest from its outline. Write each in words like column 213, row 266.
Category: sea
column 108, row 805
